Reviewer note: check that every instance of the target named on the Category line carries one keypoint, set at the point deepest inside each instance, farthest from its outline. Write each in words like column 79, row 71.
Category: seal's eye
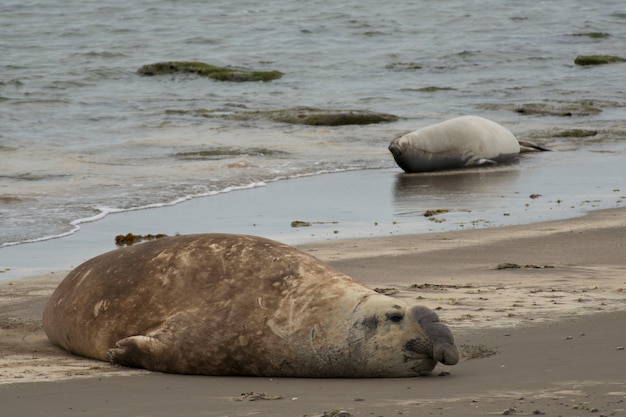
column 395, row 316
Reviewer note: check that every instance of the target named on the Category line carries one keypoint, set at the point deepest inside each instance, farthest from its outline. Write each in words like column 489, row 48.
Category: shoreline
column 351, row 204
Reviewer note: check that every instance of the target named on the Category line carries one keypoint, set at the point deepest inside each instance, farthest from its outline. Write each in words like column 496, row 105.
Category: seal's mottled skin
column 219, row 304
column 456, row 143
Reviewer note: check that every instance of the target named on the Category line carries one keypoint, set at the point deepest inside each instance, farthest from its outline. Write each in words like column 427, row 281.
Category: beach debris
column 387, row 291
column 430, row 213
column 535, row 196
column 302, row 223
column 129, row 238
column 509, row 411
column 597, row 59
column 209, row 71
column 256, row 396
column 438, row 287
column 336, row 413
column 509, row 265
column 584, row 406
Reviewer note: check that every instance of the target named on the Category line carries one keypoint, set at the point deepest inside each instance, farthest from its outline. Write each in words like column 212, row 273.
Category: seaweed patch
column 302, row 223
column 130, row 238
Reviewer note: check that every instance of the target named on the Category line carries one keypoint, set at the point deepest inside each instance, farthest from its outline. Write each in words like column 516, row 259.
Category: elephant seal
column 221, row 304
column 465, row 141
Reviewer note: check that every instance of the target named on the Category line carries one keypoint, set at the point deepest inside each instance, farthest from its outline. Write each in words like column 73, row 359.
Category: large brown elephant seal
column 219, row 304
column 465, row 141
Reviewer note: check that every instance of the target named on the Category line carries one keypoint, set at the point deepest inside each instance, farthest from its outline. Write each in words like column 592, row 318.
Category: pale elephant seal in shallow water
column 465, row 141
column 219, row 304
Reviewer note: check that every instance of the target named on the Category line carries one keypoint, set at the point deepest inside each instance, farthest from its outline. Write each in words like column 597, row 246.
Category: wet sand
column 539, row 313
column 359, row 204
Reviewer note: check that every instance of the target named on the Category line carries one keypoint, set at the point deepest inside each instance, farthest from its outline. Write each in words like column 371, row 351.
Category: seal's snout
column 394, row 148
column 443, row 348
column 446, row 353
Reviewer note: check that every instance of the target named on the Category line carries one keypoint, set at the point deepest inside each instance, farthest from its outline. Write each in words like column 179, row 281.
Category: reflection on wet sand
column 456, row 189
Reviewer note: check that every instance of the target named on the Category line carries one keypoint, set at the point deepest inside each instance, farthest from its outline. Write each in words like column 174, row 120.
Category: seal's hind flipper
column 139, row 352
column 527, row 146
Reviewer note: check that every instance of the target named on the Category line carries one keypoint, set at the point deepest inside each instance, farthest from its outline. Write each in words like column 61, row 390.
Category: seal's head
column 414, row 152
column 398, row 340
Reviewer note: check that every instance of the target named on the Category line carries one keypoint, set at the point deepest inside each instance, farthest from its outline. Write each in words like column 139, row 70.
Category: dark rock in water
column 593, row 35
column 561, row 109
column 403, row 66
column 216, row 153
column 597, row 59
column 210, row 71
column 297, row 115
column 575, row 133
column 318, row 117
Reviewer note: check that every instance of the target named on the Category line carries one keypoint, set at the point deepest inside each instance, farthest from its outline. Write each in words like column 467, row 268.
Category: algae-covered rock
column 574, row 108
column 319, row 117
column 549, row 110
column 223, row 152
column 593, row 35
column 433, row 89
column 298, row 115
column 575, row 133
column 597, row 59
column 403, row 66
column 210, row 71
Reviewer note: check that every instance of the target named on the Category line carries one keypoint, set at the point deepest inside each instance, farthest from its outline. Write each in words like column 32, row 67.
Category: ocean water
column 83, row 135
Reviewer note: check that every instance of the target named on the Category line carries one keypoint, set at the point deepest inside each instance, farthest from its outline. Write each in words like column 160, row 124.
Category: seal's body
column 461, row 142
column 219, row 304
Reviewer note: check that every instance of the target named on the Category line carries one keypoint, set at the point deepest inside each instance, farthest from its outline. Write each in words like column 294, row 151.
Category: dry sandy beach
column 539, row 313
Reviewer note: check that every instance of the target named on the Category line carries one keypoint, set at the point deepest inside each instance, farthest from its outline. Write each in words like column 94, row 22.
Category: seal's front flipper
column 477, row 162
column 139, row 352
column 164, row 349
